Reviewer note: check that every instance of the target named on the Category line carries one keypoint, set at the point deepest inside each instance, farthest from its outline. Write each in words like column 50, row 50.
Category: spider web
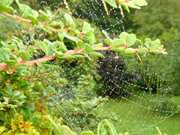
column 152, row 110
column 143, row 113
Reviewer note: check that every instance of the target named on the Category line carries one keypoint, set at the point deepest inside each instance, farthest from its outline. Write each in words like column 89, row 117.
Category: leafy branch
column 66, row 27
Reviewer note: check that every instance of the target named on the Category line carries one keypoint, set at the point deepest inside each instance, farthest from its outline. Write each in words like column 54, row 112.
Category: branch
column 17, row 18
column 4, row 66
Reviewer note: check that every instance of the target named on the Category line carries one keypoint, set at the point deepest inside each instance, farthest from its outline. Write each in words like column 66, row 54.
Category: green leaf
column 125, row 6
column 61, row 129
column 131, row 39
column 61, row 46
column 154, row 46
column 137, row 3
column 128, row 39
column 5, row 6
column 129, row 51
column 120, row 49
column 25, row 55
column 47, row 47
column 63, row 35
column 90, row 37
column 11, row 63
column 89, row 33
column 124, row 39
column 118, row 42
column 143, row 50
column 72, row 38
column 43, row 16
column 106, row 128
column 5, row 54
column 96, row 54
column 69, row 20
column 27, row 11
column 112, row 3
column 87, row 28
column 69, row 56
column 58, row 24
column 108, row 41
column 87, row 47
column 140, row 2
column 6, row 2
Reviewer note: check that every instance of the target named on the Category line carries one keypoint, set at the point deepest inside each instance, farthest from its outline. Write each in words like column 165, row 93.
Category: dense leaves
column 112, row 70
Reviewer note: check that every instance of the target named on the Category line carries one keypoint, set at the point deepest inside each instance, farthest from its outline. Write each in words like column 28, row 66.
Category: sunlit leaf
column 5, row 6
column 27, row 11
column 69, row 20
column 137, row 3
column 112, row 3
column 6, row 2
column 88, row 32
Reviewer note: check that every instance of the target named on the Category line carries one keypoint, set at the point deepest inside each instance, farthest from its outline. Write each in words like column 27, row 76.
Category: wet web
column 144, row 108
column 142, row 111
column 153, row 108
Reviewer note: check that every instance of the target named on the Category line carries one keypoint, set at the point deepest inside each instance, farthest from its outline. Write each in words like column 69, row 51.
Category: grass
column 133, row 116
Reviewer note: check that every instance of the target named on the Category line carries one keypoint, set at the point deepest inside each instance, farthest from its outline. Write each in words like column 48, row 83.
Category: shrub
column 114, row 76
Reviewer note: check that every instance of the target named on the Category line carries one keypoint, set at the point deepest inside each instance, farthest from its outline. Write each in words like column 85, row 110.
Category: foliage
column 113, row 73
column 165, row 26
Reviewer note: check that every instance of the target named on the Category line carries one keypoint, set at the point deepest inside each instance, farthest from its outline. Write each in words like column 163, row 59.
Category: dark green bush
column 114, row 76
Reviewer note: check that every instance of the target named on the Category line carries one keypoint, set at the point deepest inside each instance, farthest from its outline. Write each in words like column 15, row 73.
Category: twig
column 67, row 6
column 105, row 7
column 17, row 18
column 4, row 66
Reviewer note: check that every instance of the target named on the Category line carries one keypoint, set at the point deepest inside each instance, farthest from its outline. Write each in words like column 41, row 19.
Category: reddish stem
column 4, row 67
